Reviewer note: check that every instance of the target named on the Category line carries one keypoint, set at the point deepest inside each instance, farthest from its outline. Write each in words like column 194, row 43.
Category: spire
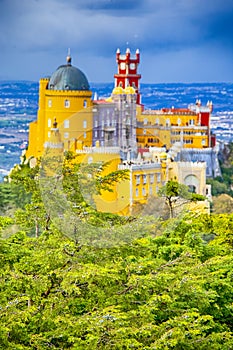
column 68, row 58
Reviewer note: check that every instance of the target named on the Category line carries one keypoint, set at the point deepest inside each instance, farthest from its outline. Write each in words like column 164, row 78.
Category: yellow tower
column 61, row 96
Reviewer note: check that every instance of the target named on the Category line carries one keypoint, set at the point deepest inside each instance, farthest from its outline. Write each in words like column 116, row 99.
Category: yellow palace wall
column 157, row 129
column 60, row 106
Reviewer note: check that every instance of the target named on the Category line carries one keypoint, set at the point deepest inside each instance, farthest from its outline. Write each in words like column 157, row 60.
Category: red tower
column 127, row 71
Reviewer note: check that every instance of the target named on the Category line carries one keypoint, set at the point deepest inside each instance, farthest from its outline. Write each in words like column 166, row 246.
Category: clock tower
column 127, row 71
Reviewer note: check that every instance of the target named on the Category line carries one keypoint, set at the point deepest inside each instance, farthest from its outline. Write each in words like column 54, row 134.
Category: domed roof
column 130, row 90
column 67, row 77
column 118, row 90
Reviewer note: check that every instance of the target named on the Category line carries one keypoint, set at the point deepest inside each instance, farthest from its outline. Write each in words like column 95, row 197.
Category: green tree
column 168, row 289
column 173, row 192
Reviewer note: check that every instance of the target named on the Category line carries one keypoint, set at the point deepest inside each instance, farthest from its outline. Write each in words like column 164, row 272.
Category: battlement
column 127, row 57
column 193, row 165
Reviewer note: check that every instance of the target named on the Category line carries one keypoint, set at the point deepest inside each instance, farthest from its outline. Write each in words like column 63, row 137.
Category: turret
column 127, row 71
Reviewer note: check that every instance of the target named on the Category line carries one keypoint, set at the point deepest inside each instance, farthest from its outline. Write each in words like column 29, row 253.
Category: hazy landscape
column 19, row 103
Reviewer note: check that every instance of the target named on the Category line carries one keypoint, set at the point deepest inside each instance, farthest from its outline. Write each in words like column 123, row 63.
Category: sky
column 179, row 40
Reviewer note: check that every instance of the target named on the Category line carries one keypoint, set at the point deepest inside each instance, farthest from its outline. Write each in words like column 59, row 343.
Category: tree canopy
column 170, row 288
column 149, row 284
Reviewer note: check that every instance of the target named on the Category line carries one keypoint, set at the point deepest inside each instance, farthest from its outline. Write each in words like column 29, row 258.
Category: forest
column 95, row 280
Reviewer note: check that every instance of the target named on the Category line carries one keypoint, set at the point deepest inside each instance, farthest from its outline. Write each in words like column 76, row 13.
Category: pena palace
column 153, row 145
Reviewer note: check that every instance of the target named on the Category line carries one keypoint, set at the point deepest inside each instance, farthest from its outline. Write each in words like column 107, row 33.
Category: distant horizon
column 141, row 83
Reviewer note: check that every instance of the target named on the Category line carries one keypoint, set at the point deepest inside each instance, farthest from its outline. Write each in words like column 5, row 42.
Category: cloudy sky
column 179, row 40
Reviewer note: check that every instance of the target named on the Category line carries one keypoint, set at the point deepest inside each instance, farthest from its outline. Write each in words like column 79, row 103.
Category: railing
column 105, row 150
column 139, row 166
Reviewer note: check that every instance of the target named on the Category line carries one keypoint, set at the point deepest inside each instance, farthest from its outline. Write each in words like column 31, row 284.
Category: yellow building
column 168, row 126
column 121, row 132
column 60, row 98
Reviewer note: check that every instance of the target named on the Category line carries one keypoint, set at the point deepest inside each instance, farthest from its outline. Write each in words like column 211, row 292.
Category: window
column 191, row 122
column 66, row 124
column 151, row 190
column 49, row 103
column 96, row 133
column 132, row 65
column 67, row 104
column 145, row 121
column 49, row 123
column 66, row 135
column 144, row 179
column 96, row 123
column 85, row 103
column 136, row 192
column 84, row 124
column 49, row 134
column 84, row 135
column 158, row 177
column 152, row 178
column 138, row 180
column 143, row 191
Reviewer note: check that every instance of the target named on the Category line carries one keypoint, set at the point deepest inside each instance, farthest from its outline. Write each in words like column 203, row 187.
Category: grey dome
column 67, row 77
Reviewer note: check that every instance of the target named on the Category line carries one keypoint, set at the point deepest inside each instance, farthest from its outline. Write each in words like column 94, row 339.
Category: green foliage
column 173, row 191
column 4, row 222
column 161, row 285
column 12, row 196
column 57, row 187
column 197, row 197
column 224, row 184
column 168, row 289
column 218, row 186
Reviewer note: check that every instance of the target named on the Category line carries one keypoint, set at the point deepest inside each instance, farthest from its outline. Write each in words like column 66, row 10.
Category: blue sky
column 179, row 40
